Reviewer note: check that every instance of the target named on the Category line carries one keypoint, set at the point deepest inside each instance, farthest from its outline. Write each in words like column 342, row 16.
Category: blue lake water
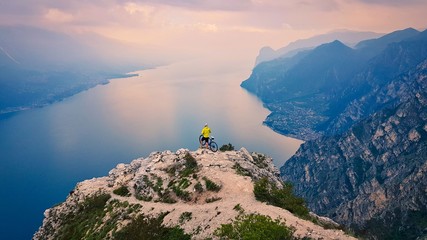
column 45, row 152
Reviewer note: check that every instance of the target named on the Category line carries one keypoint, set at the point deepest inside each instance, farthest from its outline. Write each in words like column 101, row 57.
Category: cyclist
column 206, row 131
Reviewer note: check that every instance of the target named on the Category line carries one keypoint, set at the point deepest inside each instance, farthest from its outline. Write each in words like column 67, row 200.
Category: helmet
column 206, row 124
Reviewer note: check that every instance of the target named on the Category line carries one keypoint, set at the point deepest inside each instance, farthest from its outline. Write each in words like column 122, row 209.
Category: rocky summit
column 192, row 193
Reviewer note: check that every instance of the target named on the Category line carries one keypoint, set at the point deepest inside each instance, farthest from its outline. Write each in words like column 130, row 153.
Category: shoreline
column 11, row 111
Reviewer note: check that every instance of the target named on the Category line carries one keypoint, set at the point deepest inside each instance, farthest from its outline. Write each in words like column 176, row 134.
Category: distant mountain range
column 348, row 37
column 311, row 93
column 38, row 67
column 363, row 114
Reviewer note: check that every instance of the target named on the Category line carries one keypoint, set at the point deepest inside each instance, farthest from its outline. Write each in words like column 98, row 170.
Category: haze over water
column 46, row 151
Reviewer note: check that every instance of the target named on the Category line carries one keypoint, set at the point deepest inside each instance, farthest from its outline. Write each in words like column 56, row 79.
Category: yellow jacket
column 206, row 131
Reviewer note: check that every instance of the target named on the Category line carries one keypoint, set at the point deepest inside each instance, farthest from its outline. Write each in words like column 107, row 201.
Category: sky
column 184, row 28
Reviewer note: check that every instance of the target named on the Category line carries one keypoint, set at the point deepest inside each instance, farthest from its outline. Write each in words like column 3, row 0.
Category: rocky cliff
column 187, row 193
column 373, row 177
column 326, row 90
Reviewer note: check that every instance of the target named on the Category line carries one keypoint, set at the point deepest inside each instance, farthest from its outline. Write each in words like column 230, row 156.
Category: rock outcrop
column 373, row 177
column 197, row 191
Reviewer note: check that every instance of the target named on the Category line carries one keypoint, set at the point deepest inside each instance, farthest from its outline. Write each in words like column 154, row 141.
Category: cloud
column 393, row 2
column 191, row 25
column 205, row 27
column 206, row 5
column 133, row 8
column 324, row 5
column 58, row 16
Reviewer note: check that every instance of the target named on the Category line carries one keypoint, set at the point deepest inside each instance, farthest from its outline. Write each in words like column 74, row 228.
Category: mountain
column 375, row 46
column 298, row 90
column 372, row 178
column 318, row 92
column 182, row 195
column 40, row 49
column 319, row 70
column 38, row 66
column 368, row 94
column 348, row 37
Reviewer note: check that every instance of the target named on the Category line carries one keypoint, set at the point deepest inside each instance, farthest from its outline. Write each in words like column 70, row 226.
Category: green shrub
column 158, row 187
column 185, row 216
column 171, row 170
column 85, row 222
column 211, row 186
column 166, row 197
column 122, row 191
column 190, row 165
column 240, row 170
column 239, row 208
column 143, row 197
column 184, row 183
column 212, row 199
column 198, row 187
column 254, row 226
column 265, row 191
column 144, row 227
column 259, row 160
column 147, row 181
column 184, row 195
column 226, row 147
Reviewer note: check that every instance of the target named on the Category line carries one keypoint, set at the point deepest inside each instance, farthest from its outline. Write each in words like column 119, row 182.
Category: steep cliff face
column 193, row 192
column 326, row 90
column 373, row 177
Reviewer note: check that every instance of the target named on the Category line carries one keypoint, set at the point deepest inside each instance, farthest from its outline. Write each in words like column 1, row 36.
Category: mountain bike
column 212, row 145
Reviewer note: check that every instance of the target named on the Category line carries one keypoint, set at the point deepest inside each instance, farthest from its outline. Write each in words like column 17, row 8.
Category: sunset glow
column 183, row 28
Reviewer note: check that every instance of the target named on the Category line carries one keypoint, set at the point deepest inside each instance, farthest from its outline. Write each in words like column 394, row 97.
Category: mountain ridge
column 323, row 86
column 347, row 36
column 198, row 210
column 380, row 165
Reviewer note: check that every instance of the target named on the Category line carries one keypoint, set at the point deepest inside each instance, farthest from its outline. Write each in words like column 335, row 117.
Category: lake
column 45, row 152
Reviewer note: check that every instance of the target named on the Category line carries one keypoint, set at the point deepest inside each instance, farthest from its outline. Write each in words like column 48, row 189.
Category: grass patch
column 254, row 226
column 182, row 194
column 241, row 171
column 86, row 222
column 184, row 183
column 190, row 165
column 211, row 186
column 145, row 227
column 265, row 191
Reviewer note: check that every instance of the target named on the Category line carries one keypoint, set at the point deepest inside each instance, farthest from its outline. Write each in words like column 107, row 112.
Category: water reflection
column 169, row 106
column 45, row 152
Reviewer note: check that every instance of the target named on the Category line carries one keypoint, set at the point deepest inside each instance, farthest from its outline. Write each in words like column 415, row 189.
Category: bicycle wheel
column 200, row 140
column 213, row 146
